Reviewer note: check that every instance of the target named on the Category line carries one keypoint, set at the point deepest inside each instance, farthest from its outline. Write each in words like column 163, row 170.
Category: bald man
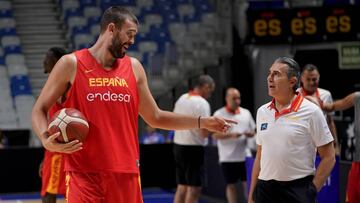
column 232, row 145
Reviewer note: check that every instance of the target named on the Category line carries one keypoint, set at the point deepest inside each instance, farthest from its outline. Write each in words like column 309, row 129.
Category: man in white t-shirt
column 310, row 78
column 232, row 145
column 290, row 129
column 189, row 144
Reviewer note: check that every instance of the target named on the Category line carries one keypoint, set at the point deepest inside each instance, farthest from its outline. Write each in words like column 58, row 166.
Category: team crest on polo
column 263, row 126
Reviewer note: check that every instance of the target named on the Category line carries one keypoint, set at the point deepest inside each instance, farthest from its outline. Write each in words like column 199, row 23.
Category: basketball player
column 52, row 168
column 290, row 129
column 310, row 78
column 110, row 89
column 353, row 187
column 189, row 144
column 232, row 145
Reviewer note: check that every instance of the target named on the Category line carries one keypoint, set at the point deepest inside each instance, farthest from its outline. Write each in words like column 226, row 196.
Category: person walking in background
column 189, row 144
column 232, row 145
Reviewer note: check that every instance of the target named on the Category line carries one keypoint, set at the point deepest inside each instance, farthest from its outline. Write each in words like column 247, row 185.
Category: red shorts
column 53, row 175
column 103, row 187
column 353, row 186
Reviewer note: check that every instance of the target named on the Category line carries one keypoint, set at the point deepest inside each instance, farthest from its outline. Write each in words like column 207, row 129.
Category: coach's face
column 122, row 38
column 310, row 80
column 279, row 84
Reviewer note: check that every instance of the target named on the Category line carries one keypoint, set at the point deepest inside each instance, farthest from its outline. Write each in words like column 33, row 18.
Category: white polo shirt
column 323, row 94
column 289, row 139
column 195, row 105
column 234, row 149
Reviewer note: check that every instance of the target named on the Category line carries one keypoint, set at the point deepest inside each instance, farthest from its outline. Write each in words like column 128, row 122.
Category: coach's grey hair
column 293, row 69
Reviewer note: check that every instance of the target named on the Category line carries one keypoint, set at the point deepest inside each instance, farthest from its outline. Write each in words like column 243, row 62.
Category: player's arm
column 158, row 118
column 332, row 127
column 327, row 155
column 62, row 74
column 341, row 104
column 255, row 174
column 222, row 136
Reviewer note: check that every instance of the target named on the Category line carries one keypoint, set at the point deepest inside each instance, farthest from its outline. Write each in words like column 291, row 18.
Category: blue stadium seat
column 203, row 6
column 6, row 13
column 71, row 13
column 80, row 29
column 2, row 60
column 192, row 18
column 14, row 49
column 94, row 20
column 7, row 31
column 20, row 85
column 84, row 3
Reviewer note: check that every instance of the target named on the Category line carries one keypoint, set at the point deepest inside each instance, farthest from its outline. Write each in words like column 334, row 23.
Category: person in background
column 189, row 144
column 232, row 146
column 351, row 100
column 51, row 169
column 310, row 78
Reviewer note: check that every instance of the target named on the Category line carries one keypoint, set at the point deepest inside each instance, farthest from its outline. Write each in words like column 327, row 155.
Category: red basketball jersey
column 109, row 101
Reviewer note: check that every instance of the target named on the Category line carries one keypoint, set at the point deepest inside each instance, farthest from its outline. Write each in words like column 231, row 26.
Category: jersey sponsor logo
column 109, row 97
column 263, row 126
column 106, row 82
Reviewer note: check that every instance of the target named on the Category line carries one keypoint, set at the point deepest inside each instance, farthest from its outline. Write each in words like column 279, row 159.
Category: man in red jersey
column 110, row 89
column 52, row 168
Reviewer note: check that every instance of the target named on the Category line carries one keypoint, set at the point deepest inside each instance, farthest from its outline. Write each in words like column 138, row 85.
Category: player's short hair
column 116, row 15
column 310, row 67
column 293, row 69
column 204, row 80
column 58, row 52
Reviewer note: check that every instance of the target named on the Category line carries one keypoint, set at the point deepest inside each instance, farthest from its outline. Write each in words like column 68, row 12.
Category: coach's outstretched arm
column 168, row 120
column 63, row 73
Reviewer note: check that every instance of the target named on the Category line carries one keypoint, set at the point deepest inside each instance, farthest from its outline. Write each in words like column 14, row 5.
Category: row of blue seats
column 167, row 9
column 20, row 85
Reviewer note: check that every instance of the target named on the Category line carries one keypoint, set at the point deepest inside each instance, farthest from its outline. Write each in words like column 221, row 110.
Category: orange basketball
column 71, row 124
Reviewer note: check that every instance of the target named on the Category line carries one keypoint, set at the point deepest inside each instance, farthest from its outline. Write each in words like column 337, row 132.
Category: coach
column 290, row 129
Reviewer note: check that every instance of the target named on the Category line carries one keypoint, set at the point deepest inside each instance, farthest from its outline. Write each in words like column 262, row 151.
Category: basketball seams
column 64, row 118
column 68, row 119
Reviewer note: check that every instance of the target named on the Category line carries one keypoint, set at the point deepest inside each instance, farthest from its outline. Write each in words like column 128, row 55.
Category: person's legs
column 180, row 194
column 353, row 186
column 180, row 164
column 48, row 198
column 231, row 193
column 193, row 194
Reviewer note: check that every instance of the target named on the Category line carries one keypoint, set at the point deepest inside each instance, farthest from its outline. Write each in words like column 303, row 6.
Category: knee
column 194, row 191
column 181, row 189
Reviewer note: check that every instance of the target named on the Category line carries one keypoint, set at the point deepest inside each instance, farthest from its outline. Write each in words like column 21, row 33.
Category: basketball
column 71, row 124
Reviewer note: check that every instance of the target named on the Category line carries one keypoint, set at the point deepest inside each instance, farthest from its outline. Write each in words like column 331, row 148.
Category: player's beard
column 116, row 48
